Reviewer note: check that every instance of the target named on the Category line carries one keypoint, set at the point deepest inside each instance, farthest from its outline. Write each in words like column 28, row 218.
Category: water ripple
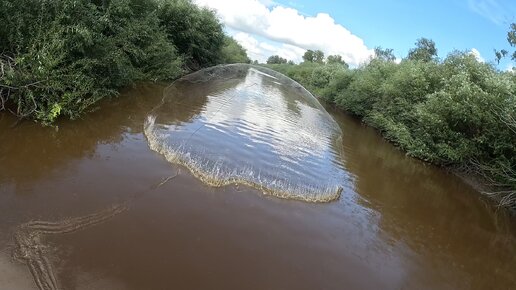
column 248, row 125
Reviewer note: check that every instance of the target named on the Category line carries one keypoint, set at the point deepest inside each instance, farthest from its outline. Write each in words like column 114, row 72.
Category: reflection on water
column 466, row 241
column 251, row 130
column 398, row 224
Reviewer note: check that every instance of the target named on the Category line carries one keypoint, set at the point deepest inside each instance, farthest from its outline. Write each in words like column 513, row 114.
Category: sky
column 353, row 29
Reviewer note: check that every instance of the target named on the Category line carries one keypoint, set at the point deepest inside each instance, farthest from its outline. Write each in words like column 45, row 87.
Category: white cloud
column 249, row 43
column 474, row 52
column 510, row 68
column 267, row 46
column 287, row 30
column 290, row 52
column 260, row 51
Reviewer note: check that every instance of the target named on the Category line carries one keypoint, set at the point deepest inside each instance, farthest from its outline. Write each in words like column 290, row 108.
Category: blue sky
column 452, row 24
column 359, row 26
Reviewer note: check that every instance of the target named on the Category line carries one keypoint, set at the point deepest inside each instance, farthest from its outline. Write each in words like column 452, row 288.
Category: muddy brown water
column 398, row 223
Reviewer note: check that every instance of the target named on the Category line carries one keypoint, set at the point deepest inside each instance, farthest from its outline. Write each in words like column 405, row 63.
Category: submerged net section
column 240, row 124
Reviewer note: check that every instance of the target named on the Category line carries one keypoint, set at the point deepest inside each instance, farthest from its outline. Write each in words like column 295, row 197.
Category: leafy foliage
column 276, row 59
column 315, row 77
column 336, row 59
column 233, row 52
column 511, row 39
column 424, row 51
column 458, row 112
column 313, row 56
column 59, row 57
column 195, row 31
column 384, row 53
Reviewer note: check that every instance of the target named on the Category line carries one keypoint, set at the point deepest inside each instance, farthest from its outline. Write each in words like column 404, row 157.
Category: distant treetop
column 424, row 51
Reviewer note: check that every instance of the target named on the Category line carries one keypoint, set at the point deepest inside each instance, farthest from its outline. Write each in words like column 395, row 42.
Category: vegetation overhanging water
column 59, row 58
column 458, row 112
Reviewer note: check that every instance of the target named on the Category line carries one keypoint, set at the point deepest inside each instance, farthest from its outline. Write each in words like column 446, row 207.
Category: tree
column 336, row 59
column 384, row 54
column 424, row 51
column 308, row 56
column 313, row 56
column 196, row 32
column 60, row 57
column 233, row 52
column 318, row 56
column 276, row 59
column 511, row 38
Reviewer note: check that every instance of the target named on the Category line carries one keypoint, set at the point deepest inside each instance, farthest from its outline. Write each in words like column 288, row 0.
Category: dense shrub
column 314, row 76
column 276, row 59
column 233, row 52
column 59, row 57
column 196, row 32
column 458, row 112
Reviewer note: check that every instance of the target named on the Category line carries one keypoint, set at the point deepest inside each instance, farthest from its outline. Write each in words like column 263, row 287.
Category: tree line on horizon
column 313, row 56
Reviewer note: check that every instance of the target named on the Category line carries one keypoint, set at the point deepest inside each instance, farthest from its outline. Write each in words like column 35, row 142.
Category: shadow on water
column 30, row 151
column 430, row 211
column 51, row 170
column 399, row 224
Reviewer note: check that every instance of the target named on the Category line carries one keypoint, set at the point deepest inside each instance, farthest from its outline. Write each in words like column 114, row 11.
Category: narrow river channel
column 235, row 178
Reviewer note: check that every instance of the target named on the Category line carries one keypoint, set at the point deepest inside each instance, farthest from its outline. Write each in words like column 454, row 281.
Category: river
column 235, row 178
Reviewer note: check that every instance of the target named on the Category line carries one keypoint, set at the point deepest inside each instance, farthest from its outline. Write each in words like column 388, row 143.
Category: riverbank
column 398, row 223
column 477, row 182
column 456, row 113
column 55, row 64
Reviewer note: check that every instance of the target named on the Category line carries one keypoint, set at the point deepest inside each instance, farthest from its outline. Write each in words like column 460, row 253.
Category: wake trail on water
column 31, row 249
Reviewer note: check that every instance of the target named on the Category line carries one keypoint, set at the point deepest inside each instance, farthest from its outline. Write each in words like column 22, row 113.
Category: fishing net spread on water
column 242, row 124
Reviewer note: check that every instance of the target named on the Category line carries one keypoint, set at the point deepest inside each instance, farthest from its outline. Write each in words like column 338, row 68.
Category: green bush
column 457, row 112
column 233, row 52
column 196, row 32
column 314, row 76
column 59, row 57
column 366, row 89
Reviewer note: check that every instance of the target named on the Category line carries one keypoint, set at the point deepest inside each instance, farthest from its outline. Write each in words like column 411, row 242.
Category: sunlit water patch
column 241, row 124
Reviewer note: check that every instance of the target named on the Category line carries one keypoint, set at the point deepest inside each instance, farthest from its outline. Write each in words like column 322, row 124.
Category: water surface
column 250, row 127
column 398, row 223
